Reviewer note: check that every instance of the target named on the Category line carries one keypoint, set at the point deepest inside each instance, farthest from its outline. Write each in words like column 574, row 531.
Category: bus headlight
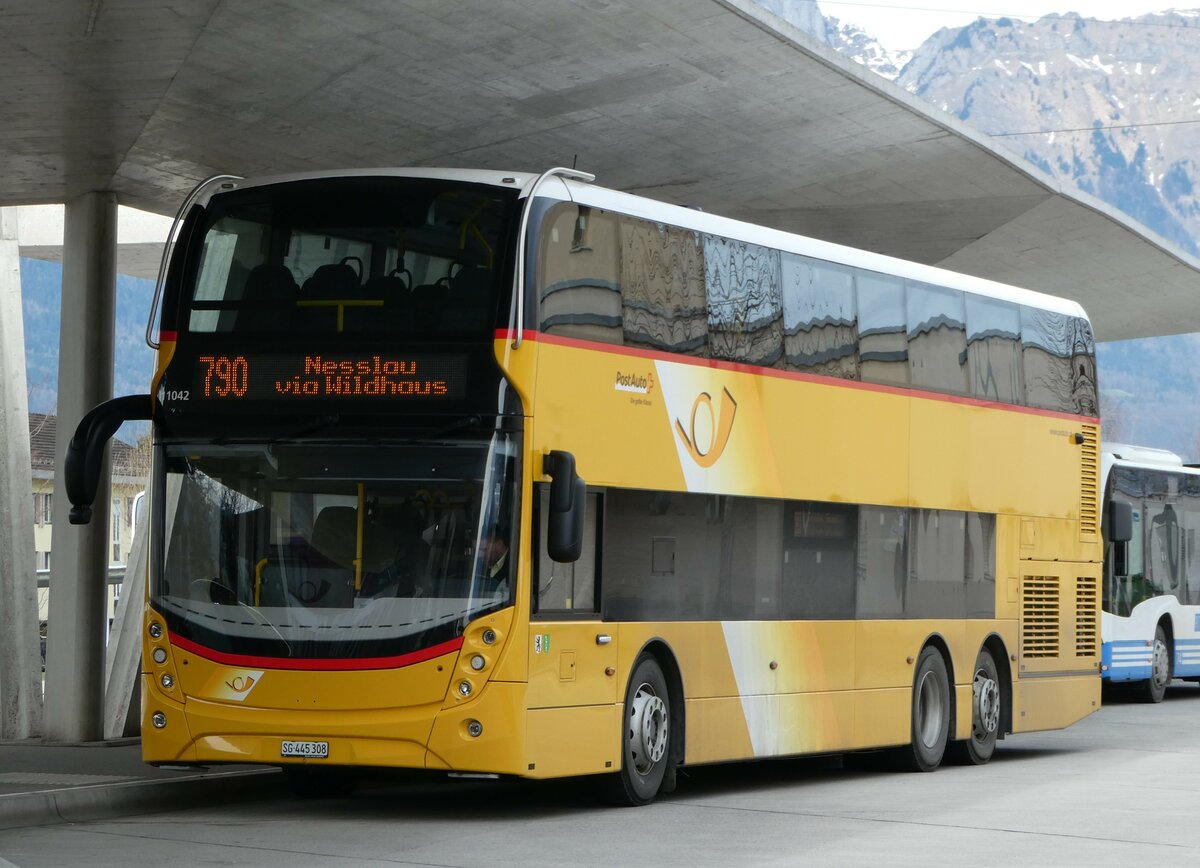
column 159, row 720
column 465, row 688
column 477, row 662
column 160, row 655
column 167, row 681
column 155, row 630
column 489, row 637
column 475, row 728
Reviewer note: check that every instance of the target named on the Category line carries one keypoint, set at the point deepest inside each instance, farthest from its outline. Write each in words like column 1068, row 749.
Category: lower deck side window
column 680, row 556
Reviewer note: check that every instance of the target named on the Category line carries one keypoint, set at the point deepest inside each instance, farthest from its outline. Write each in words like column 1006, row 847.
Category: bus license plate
column 311, row 749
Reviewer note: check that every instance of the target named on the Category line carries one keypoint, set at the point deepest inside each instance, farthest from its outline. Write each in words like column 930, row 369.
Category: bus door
column 1124, row 566
column 572, row 658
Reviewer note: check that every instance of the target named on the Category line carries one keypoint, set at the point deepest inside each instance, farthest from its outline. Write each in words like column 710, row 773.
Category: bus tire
column 1154, row 688
column 930, row 714
column 986, row 700
column 645, row 736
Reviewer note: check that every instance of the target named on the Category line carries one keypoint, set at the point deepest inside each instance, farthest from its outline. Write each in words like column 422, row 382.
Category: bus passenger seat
column 470, row 297
column 427, row 303
column 333, row 281
column 381, row 553
column 396, row 312
column 268, row 299
column 330, row 580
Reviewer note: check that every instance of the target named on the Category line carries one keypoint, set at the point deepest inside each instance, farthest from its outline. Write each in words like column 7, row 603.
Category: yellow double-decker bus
column 513, row 475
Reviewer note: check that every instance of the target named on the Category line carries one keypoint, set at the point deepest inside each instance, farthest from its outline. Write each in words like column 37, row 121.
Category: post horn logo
column 241, row 683
column 238, row 687
column 722, row 425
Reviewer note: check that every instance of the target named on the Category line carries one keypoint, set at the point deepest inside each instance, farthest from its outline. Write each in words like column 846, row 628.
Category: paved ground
column 1120, row 788
column 41, row 783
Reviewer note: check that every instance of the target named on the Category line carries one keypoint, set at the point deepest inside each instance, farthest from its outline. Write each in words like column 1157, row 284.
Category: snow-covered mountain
column 861, row 46
column 1118, row 101
column 1113, row 106
column 850, row 39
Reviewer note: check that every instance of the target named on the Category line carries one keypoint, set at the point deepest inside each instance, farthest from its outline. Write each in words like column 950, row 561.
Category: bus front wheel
column 1155, row 687
column 930, row 714
column 985, row 714
column 645, row 735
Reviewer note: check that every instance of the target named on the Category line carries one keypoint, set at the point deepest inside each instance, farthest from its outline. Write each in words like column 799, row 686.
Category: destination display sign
column 250, row 378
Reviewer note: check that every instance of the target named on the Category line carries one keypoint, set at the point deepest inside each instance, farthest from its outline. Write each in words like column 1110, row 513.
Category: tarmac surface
column 51, row 783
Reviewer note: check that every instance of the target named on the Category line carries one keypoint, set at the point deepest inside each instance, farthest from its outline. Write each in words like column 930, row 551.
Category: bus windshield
column 406, row 257
column 303, row 550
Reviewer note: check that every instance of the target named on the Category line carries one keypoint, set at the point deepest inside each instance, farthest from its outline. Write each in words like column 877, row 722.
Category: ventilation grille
column 1089, row 482
column 1085, row 617
column 1039, row 617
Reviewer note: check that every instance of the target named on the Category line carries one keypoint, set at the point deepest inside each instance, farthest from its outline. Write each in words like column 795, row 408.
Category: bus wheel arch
column 670, row 666
column 653, row 696
column 932, row 712
column 937, row 641
column 996, row 646
column 990, row 706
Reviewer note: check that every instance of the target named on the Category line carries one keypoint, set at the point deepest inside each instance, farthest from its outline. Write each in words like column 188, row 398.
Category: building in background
column 130, row 467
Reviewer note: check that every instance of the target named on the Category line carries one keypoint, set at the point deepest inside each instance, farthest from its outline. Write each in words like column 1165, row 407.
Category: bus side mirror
column 1118, row 522
column 85, row 452
column 568, row 502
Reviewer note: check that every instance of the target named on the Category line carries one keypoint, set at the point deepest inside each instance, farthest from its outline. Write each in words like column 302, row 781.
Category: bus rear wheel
column 985, row 714
column 930, row 714
column 1155, row 687
column 645, row 736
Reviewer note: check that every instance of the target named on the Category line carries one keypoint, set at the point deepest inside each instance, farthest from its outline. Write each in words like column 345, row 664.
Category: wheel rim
column 986, row 701
column 1161, row 664
column 648, row 725
column 930, row 710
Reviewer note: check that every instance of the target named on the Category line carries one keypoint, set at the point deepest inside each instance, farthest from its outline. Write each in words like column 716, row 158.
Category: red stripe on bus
column 168, row 336
column 318, row 664
column 659, row 355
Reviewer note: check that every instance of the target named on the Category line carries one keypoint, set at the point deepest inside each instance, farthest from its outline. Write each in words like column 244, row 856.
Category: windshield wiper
column 320, row 423
column 229, row 597
column 457, row 425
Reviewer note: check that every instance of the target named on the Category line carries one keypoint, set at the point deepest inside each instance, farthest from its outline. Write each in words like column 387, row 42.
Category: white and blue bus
column 1151, row 620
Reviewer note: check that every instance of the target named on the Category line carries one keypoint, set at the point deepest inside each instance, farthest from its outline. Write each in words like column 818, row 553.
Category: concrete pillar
column 20, row 660
column 78, row 622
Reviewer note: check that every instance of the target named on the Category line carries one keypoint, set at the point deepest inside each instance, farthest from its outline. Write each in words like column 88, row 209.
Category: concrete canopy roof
column 714, row 103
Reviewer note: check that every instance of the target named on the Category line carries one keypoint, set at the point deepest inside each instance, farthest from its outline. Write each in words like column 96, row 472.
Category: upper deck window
column 1059, row 354
column 994, row 349
column 604, row 276
column 382, row 256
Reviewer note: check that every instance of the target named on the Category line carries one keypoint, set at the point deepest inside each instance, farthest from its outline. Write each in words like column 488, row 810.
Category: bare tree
column 1114, row 415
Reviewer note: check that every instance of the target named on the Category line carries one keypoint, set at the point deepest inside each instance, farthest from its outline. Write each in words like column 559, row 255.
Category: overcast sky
column 906, row 23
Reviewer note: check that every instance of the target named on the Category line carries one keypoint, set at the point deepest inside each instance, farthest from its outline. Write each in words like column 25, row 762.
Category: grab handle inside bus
column 568, row 502
column 1118, row 522
column 85, row 452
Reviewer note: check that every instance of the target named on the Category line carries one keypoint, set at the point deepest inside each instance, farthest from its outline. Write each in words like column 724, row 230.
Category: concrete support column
column 77, row 618
column 20, row 661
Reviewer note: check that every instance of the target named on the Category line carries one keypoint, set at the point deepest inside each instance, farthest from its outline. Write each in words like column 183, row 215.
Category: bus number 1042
column 226, row 376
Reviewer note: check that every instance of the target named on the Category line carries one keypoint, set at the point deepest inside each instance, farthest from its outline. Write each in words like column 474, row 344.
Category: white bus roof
column 1129, row 454
column 1141, row 458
